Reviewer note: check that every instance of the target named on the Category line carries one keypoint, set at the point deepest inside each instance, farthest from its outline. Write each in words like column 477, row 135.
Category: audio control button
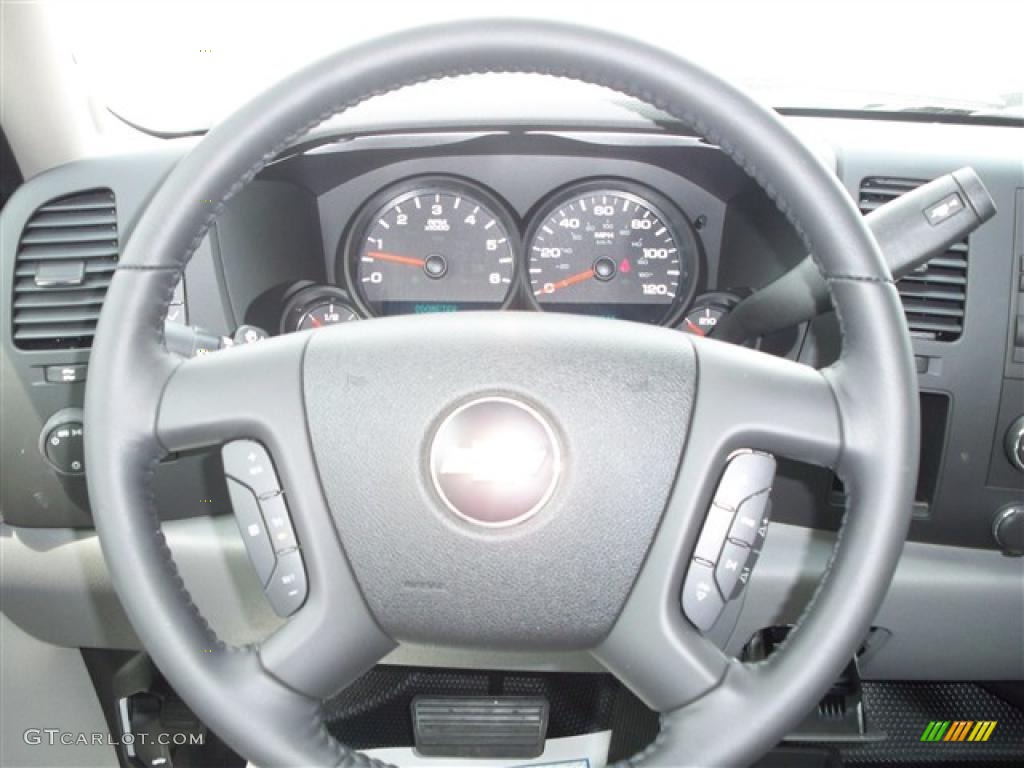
column 253, row 530
column 287, row 589
column 249, row 463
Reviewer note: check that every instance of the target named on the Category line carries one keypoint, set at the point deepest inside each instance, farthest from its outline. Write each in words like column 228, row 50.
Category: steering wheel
column 642, row 421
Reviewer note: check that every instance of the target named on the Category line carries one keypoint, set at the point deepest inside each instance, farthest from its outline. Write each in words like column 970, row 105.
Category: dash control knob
column 1008, row 530
column 1015, row 443
column 61, row 442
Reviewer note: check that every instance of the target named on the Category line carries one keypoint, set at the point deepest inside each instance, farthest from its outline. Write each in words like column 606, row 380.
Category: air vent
column 934, row 295
column 66, row 258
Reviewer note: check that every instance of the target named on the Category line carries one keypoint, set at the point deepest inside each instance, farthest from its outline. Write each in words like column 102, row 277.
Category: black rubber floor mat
column 904, row 710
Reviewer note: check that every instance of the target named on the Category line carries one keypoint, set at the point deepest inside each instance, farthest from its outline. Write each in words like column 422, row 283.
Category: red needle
column 572, row 280
column 381, row 256
column 694, row 327
column 316, row 323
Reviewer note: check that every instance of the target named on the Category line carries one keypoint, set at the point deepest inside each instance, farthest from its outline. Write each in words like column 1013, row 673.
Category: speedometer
column 433, row 245
column 614, row 250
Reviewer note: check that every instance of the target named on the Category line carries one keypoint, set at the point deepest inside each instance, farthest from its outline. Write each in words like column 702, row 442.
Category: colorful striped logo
column 958, row 730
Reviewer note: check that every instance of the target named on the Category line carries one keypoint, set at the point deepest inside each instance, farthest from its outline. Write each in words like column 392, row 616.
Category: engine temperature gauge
column 706, row 311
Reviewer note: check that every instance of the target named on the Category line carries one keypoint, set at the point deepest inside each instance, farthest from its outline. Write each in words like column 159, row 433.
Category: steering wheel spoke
column 747, row 403
column 656, row 653
column 331, row 641
column 253, row 391
column 751, row 400
column 251, row 397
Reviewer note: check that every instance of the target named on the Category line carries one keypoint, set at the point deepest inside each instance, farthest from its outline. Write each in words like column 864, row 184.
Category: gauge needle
column 572, row 280
column 381, row 256
column 695, row 328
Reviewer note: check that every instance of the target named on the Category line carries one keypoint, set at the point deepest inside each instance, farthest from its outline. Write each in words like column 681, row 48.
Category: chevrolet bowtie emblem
column 495, row 461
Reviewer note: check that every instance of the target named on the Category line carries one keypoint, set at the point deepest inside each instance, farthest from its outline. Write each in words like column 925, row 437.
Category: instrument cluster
column 605, row 247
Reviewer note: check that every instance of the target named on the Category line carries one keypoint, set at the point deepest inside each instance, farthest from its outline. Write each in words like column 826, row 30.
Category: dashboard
column 644, row 224
column 636, row 221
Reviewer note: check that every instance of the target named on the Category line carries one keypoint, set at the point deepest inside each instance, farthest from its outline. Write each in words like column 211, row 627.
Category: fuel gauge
column 329, row 312
column 317, row 306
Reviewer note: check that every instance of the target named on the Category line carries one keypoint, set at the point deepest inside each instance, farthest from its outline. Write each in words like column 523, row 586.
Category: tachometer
column 439, row 246
column 613, row 250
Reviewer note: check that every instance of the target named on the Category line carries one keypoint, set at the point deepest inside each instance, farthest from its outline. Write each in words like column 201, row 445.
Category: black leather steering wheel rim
column 271, row 717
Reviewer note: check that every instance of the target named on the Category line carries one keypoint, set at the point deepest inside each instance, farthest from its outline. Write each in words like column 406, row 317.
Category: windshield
column 179, row 66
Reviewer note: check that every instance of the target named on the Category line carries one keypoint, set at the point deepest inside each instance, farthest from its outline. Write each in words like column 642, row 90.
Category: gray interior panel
column 64, row 571
column 941, row 599
column 46, row 687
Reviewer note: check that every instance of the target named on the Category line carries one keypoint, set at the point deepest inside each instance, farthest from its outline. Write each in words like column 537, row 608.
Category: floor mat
column 905, row 710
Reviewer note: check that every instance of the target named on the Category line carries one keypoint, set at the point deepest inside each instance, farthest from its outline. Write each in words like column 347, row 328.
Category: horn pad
column 498, row 483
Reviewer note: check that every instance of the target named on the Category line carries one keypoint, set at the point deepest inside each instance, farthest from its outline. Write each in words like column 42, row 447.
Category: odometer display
column 441, row 247
column 612, row 252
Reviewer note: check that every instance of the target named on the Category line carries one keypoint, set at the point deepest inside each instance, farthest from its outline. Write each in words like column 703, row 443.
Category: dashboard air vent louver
column 66, row 258
column 934, row 296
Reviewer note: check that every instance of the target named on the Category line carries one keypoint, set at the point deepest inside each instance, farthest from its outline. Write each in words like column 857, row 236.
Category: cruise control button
column 712, row 536
column 286, row 591
column 701, row 601
column 254, row 532
column 248, row 462
column 279, row 524
column 745, row 475
column 748, row 569
column 762, row 530
column 749, row 519
column 730, row 565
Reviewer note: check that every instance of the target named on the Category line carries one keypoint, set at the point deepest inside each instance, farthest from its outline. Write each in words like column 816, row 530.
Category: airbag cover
column 618, row 397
